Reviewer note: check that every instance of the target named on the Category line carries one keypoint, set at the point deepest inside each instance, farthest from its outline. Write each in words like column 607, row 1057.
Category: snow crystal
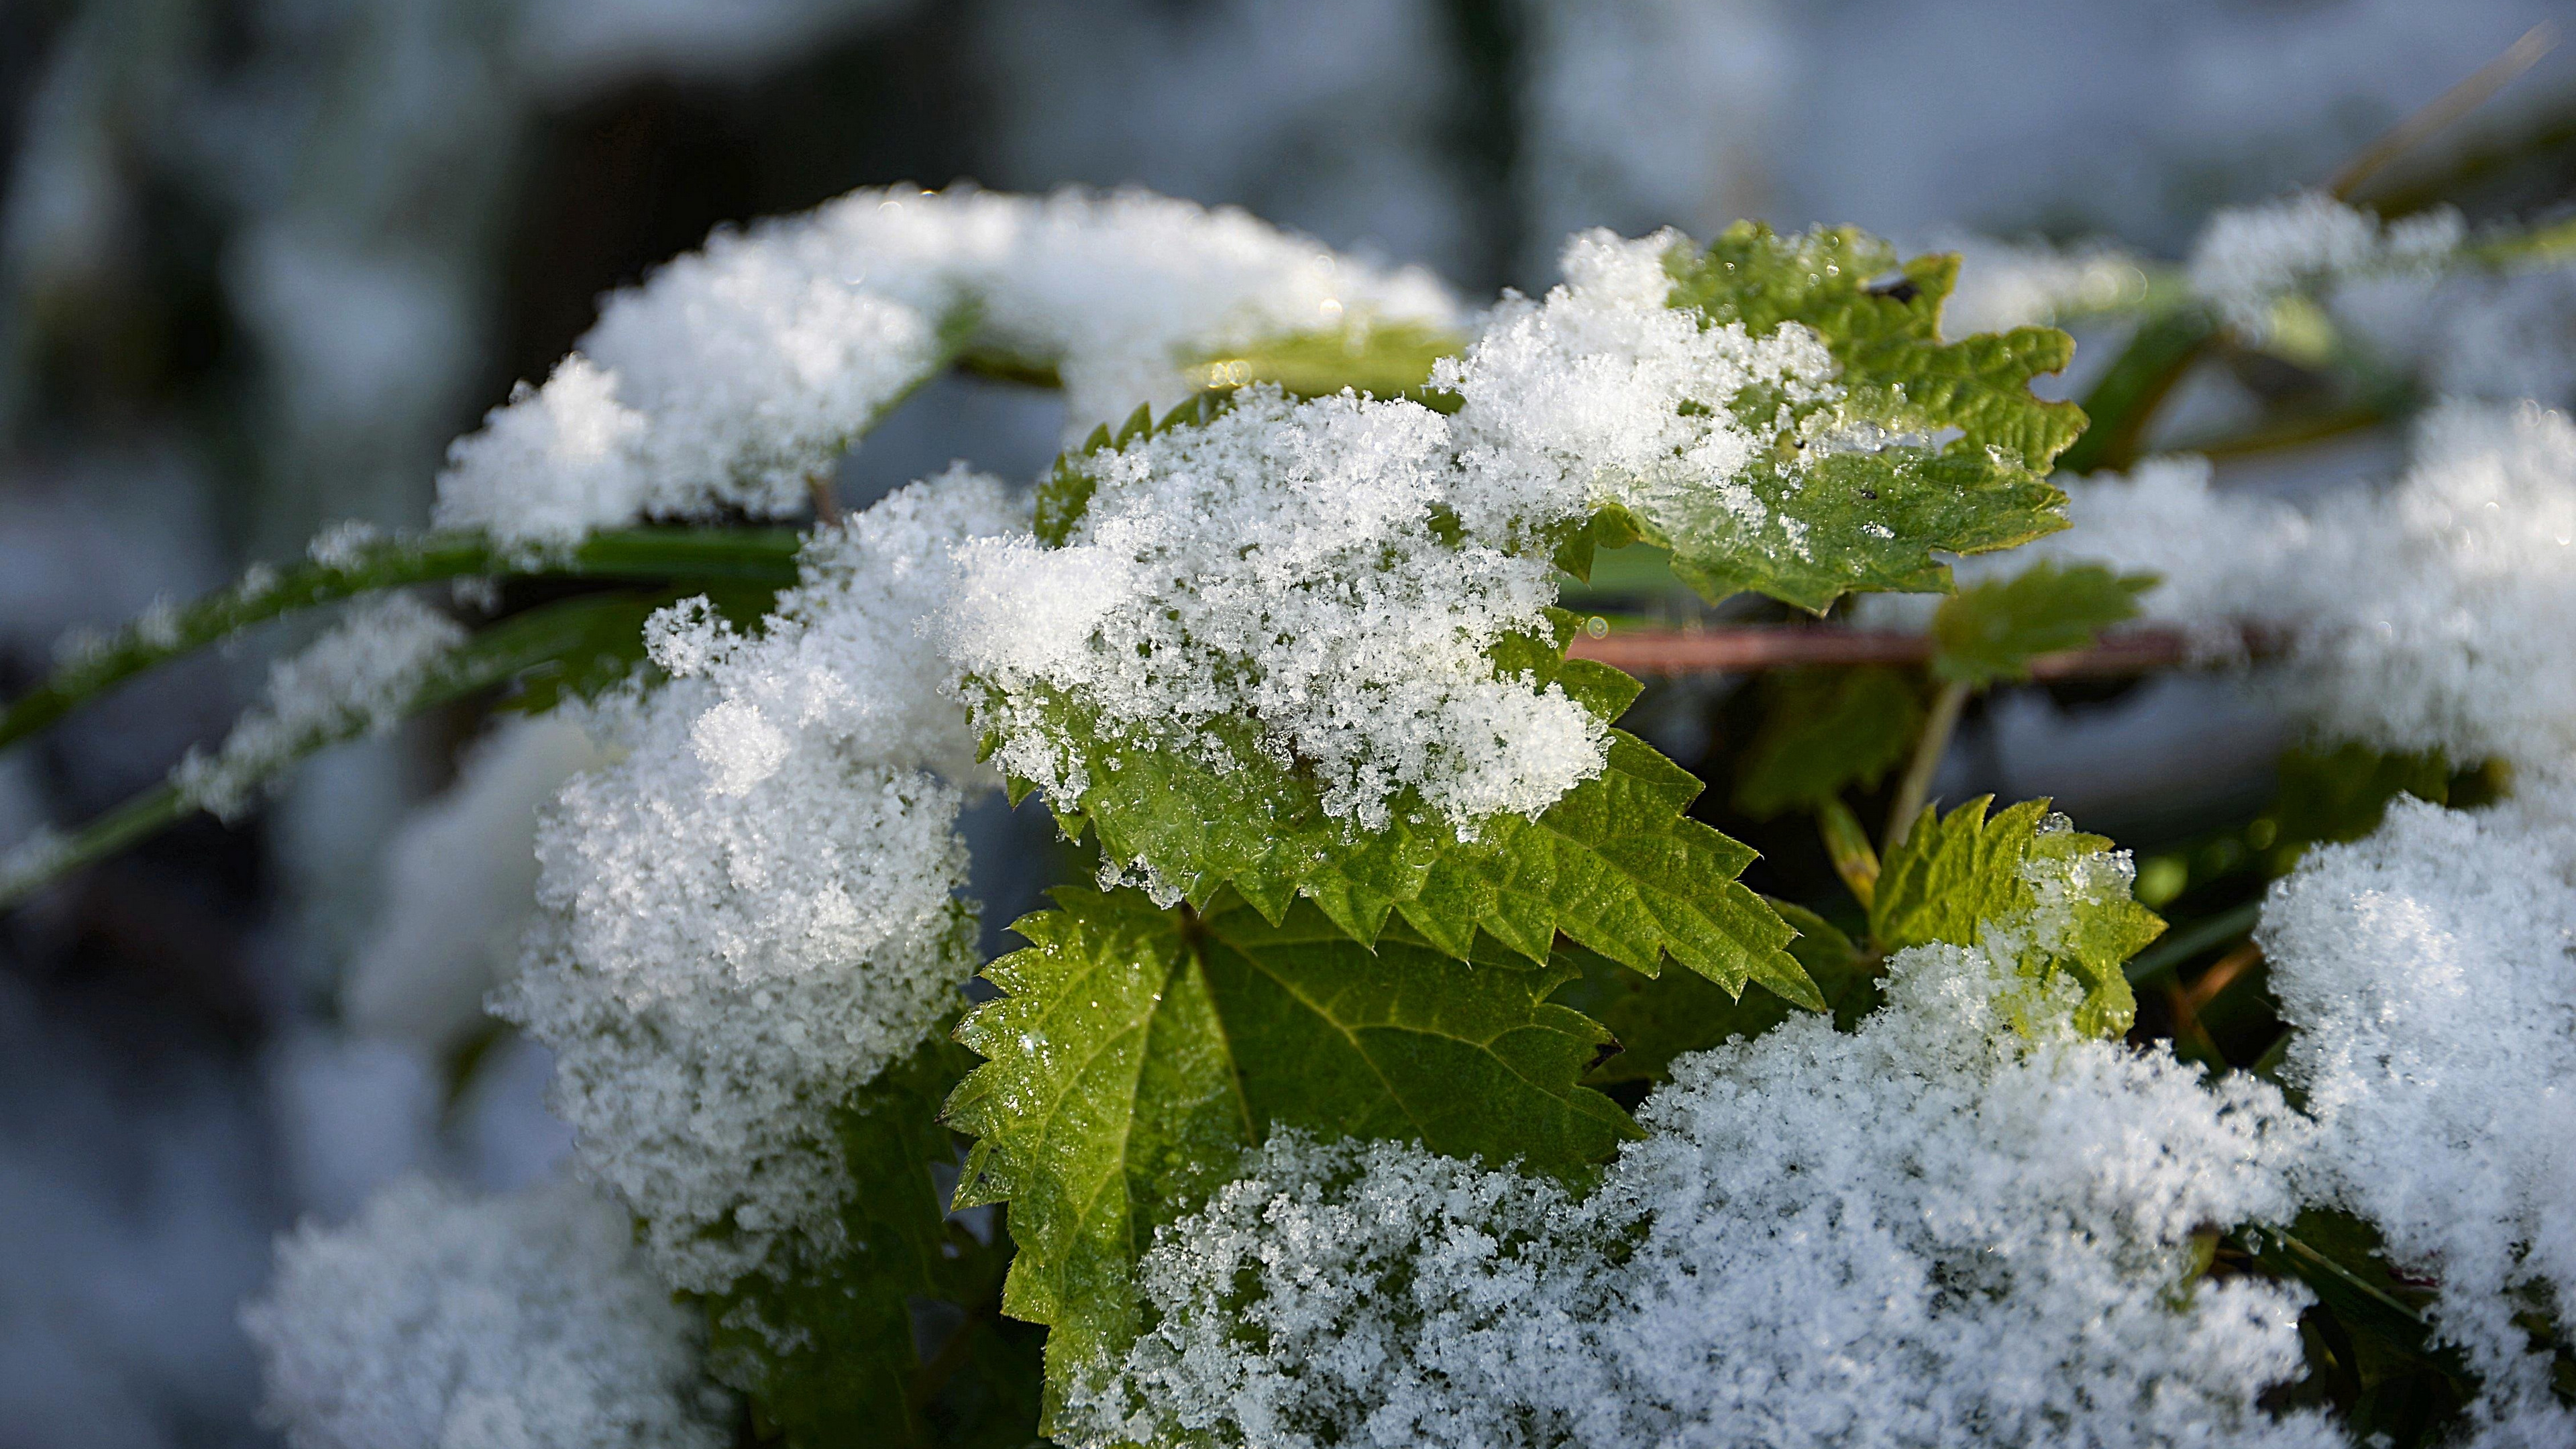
column 2247, row 257
column 358, row 677
column 340, row 546
column 1603, row 394
column 2428, row 971
column 736, row 375
column 1932, row 1231
column 753, row 911
column 1281, row 565
column 436, row 1320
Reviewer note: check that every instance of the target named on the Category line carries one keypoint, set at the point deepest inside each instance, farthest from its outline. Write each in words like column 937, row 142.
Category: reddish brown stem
column 1748, row 648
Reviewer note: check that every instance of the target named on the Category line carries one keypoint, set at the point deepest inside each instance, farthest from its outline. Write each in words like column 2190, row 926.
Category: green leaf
column 1387, row 359
column 1615, row 864
column 1136, row 1052
column 1992, row 630
column 1970, row 880
column 1824, row 730
column 1933, row 445
column 827, row 1352
column 1658, row 1018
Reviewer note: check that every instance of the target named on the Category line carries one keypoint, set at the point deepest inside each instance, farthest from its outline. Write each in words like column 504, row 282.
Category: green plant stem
column 518, row 643
column 765, row 556
column 2122, row 403
column 1929, row 747
column 1848, row 845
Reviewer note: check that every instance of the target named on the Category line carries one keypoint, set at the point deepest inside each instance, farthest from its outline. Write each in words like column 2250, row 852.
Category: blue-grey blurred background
column 261, row 259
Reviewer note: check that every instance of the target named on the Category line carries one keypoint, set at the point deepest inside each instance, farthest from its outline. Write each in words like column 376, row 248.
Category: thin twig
column 2471, row 93
column 1934, row 742
column 1755, row 647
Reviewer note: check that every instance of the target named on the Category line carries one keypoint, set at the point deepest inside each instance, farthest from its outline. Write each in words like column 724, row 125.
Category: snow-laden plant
column 1415, row 1067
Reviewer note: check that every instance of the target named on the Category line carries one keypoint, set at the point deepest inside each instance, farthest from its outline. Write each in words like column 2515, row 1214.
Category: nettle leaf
column 1992, row 630
column 1824, row 730
column 1657, row 1018
column 1615, row 865
column 1933, row 445
column 827, row 1351
column 1387, row 359
column 2024, row 880
column 1136, row 1052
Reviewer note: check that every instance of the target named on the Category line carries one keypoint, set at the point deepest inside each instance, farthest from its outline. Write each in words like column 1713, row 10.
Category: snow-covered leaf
column 1136, row 1052
column 1925, row 445
column 2026, row 884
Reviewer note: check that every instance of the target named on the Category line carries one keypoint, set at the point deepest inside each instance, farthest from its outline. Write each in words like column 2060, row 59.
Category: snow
column 736, row 376
column 1278, row 566
column 437, row 1320
column 2431, row 614
column 753, row 910
column 2249, row 256
column 1937, row 1230
column 550, row 465
column 2428, row 971
column 2495, row 334
column 1603, row 394
column 359, row 677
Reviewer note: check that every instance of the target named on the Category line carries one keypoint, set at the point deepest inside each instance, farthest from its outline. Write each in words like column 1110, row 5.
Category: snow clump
column 1281, row 564
column 436, row 1320
column 1936, row 1230
column 2428, row 970
column 2431, row 615
column 2247, row 258
column 1604, row 394
column 753, row 911
column 737, row 375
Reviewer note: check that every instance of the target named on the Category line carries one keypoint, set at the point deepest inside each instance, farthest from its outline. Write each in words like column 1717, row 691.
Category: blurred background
column 261, row 259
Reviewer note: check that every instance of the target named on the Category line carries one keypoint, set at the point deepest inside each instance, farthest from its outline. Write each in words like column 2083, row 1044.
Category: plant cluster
column 1416, row 1064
